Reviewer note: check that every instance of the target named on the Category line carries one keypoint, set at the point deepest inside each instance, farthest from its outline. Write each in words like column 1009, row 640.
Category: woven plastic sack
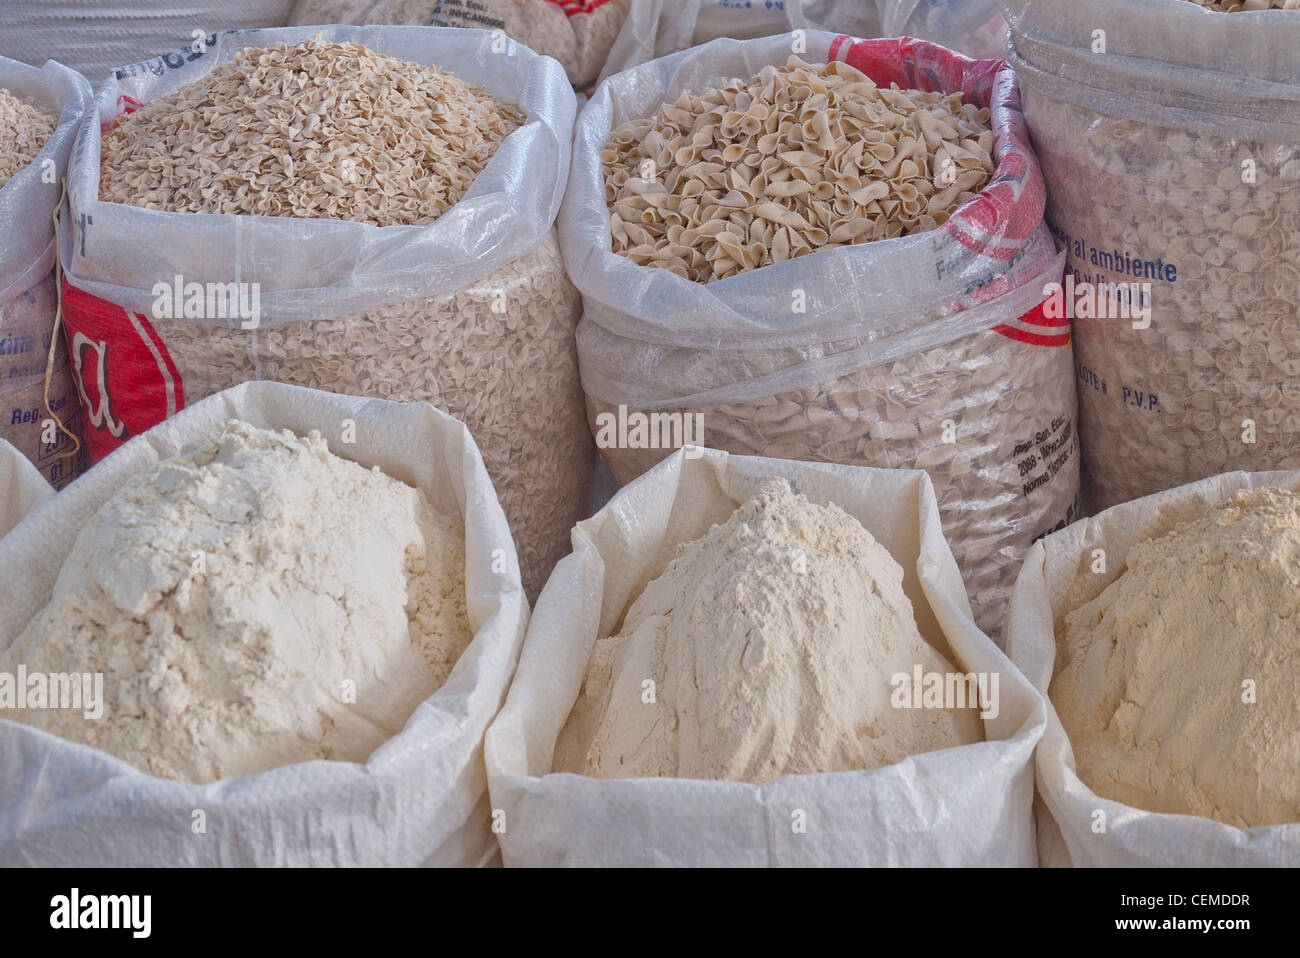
column 969, row 805
column 657, row 28
column 420, row 798
column 21, row 487
column 472, row 312
column 972, row 27
column 1057, row 571
column 578, row 33
column 1173, row 162
column 95, row 38
column 928, row 351
column 28, row 296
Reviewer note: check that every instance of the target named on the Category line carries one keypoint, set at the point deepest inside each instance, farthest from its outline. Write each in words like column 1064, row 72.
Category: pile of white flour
column 252, row 602
column 771, row 642
column 1180, row 683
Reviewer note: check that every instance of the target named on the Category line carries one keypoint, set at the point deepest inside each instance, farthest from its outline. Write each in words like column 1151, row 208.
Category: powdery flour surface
column 1151, row 690
column 232, row 594
column 771, row 641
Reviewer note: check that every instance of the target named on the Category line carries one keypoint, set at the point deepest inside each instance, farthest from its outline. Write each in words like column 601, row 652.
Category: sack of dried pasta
column 800, row 263
column 578, row 33
column 1170, row 143
column 345, row 209
column 39, row 112
column 684, row 700
column 271, row 631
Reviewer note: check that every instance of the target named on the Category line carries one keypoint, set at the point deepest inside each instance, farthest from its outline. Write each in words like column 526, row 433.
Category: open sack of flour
column 270, row 631
column 335, row 213
column 39, row 113
column 808, row 264
column 1163, row 631
column 578, row 33
column 752, row 661
column 1170, row 140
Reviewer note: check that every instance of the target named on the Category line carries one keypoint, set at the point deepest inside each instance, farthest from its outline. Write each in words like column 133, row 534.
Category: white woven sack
column 94, row 38
column 1068, row 811
column 21, row 487
column 420, row 798
column 27, row 291
column 968, row 805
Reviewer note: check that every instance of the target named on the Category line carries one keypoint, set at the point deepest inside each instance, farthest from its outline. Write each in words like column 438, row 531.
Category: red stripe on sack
column 1032, row 339
column 127, row 380
column 125, row 104
column 1038, row 317
column 178, row 397
column 574, row 8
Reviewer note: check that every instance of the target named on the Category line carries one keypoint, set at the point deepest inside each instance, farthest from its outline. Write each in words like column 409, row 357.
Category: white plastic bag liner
column 899, row 336
column 1172, row 159
column 1067, row 808
column 578, row 33
column 21, row 487
column 727, row 19
column 310, row 269
column 28, row 199
column 421, row 798
column 94, row 38
column 657, row 28
column 960, row 806
column 973, row 27
column 997, row 235
column 27, row 293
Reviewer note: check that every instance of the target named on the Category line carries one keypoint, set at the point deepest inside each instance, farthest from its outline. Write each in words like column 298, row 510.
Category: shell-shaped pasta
column 795, row 159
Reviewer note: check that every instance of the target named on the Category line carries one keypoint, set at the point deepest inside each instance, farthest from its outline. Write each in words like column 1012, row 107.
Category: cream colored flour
column 760, row 669
column 1151, row 687
column 235, row 595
